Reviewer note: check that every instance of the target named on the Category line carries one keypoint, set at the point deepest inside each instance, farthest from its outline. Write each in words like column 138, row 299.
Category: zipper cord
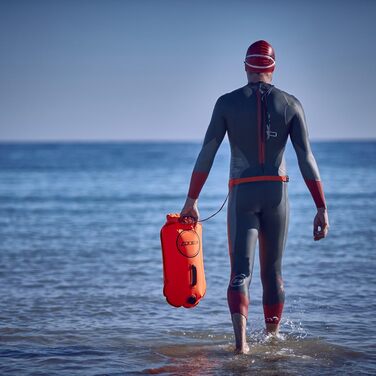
column 259, row 126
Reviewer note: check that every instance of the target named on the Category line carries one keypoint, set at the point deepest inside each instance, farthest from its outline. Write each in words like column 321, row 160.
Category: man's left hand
column 320, row 224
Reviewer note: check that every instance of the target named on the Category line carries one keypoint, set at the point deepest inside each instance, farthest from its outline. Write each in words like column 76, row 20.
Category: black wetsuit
column 258, row 119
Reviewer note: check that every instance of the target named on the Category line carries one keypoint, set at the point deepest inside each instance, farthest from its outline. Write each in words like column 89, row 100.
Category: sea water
column 81, row 268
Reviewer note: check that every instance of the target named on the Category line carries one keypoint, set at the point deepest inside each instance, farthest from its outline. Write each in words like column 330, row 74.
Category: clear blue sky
column 124, row 70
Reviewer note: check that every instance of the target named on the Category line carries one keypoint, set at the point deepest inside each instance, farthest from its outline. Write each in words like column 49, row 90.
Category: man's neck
column 261, row 77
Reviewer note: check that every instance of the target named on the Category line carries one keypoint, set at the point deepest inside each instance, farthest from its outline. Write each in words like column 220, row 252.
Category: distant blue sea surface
column 81, row 268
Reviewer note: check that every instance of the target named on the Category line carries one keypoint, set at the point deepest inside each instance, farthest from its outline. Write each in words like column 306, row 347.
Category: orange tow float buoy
column 183, row 264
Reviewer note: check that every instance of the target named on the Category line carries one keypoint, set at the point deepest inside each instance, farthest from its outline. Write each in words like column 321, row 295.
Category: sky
column 74, row 70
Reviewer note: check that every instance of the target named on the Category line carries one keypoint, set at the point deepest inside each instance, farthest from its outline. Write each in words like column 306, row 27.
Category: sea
column 81, row 265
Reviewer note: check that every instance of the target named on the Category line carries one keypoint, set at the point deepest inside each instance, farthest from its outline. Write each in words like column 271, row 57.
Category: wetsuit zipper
column 261, row 131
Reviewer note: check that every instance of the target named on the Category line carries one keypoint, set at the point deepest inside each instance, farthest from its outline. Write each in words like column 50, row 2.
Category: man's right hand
column 189, row 213
column 320, row 224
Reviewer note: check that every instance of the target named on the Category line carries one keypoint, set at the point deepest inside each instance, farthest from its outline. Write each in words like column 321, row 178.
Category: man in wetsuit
column 258, row 119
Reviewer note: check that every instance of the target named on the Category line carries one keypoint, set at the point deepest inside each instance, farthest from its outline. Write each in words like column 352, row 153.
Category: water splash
column 293, row 329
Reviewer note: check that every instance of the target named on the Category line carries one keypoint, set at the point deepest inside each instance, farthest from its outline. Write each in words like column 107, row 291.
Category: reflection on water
column 208, row 354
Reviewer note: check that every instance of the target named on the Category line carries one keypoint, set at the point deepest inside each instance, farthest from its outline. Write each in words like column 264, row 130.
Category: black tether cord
column 211, row 216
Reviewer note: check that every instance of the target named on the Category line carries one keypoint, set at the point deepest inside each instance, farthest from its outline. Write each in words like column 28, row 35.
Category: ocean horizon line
column 158, row 141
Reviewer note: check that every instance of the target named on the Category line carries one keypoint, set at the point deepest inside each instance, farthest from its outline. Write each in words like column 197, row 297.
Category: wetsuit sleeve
column 307, row 163
column 213, row 138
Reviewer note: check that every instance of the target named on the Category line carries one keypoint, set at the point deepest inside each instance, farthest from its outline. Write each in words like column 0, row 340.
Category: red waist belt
column 233, row 182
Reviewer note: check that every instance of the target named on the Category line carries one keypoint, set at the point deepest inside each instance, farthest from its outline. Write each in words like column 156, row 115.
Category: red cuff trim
column 317, row 193
column 197, row 182
column 273, row 313
column 237, row 302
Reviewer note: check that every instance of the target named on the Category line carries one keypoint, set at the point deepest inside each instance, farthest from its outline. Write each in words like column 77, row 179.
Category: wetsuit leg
column 272, row 238
column 243, row 225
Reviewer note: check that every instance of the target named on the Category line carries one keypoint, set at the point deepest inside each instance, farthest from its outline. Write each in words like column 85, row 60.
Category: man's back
column 258, row 119
column 240, row 111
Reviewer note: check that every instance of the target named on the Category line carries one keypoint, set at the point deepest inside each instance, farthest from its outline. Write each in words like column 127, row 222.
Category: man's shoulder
column 227, row 100
column 293, row 105
column 234, row 97
column 229, row 96
column 290, row 99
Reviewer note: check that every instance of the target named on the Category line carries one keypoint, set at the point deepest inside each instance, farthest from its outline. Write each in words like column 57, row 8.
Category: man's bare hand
column 189, row 213
column 320, row 224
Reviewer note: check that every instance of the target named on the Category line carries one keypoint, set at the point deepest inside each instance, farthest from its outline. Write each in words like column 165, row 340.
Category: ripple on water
column 290, row 354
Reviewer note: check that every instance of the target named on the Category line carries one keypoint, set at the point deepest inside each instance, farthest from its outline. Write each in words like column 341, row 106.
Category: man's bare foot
column 244, row 349
column 272, row 329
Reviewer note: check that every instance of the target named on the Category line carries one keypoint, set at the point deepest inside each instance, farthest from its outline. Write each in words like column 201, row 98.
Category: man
column 258, row 119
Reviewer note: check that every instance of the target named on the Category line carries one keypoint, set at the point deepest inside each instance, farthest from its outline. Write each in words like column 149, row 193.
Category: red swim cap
column 260, row 57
